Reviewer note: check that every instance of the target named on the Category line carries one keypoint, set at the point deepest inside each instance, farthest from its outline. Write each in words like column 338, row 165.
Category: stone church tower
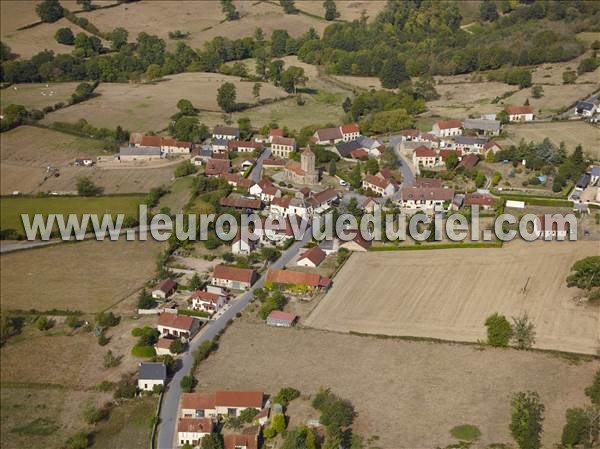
column 307, row 163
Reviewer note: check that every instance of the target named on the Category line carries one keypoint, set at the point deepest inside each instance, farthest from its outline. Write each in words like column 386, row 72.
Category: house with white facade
column 468, row 144
column 380, row 185
column 585, row 108
column 265, row 190
column 244, row 243
column 151, row 374
column 282, row 146
column 425, row 157
column 191, row 431
column 426, row 199
column 177, row 326
column 312, row 257
column 220, row 403
column 547, row 228
column 447, row 128
column 226, row 132
column 207, row 301
column 164, row 289
column 519, row 113
column 234, row 278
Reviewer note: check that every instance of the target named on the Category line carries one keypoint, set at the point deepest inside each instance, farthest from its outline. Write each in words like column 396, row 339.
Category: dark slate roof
column 486, row 125
column 139, row 151
column 584, row 181
column 152, row 371
column 345, row 148
column 585, row 105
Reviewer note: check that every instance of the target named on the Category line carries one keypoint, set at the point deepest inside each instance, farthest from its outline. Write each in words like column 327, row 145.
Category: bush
column 269, row 433
column 143, row 351
column 577, row 429
column 523, row 332
column 188, row 383
column 73, row 321
column 593, row 391
column 145, row 300
column 499, row 330
column 176, row 347
column 107, row 319
column 44, row 323
column 94, row 415
column 103, row 339
column 78, row 441
column 286, row 395
column 64, row 36
column 85, row 187
column 125, row 389
column 184, row 169
column 278, row 423
column 105, row 385
column 110, row 360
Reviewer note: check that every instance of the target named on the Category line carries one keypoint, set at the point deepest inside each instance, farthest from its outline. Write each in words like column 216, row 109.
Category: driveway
column 170, row 405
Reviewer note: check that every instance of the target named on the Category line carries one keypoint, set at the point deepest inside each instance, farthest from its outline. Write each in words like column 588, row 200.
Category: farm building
column 547, row 228
column 129, row 154
column 151, row 374
column 164, row 289
column 447, row 128
column 217, row 167
column 233, row 277
column 483, row 126
column 220, row 403
column 278, row 318
column 192, row 430
column 519, row 113
column 240, row 202
column 163, row 346
column 379, row 185
column 177, row 326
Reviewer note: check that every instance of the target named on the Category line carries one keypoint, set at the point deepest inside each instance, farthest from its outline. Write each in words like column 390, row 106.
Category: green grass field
column 12, row 208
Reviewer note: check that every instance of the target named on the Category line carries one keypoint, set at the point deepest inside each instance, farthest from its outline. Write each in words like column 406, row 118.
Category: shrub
column 578, row 429
column 184, row 169
column 286, row 395
column 105, row 385
column 73, row 321
column 143, row 351
column 78, row 441
column 247, row 415
column 523, row 332
column 188, row 383
column 93, row 415
column 64, row 36
column 499, row 330
column 278, row 423
column 103, row 339
column 110, row 360
column 107, row 319
column 125, row 389
column 44, row 323
column 593, row 391
column 269, row 433
column 176, row 347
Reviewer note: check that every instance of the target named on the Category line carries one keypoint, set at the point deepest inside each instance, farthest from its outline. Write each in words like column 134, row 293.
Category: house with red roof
column 357, row 243
column 220, row 403
column 248, row 439
column 265, row 190
column 243, row 146
column 479, row 199
column 350, row 132
column 282, row 146
column 166, row 144
column 519, row 113
column 447, row 128
column 177, row 326
column 206, row 301
column 275, row 132
column 427, row 199
column 191, row 430
column 217, row 167
column 380, row 185
column 311, row 257
column 234, row 278
column 425, row 157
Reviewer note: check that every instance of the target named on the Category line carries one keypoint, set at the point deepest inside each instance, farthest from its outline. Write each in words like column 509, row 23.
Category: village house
column 320, row 202
column 248, row 439
column 151, row 374
column 427, row 199
column 287, row 206
column 357, row 244
column 427, row 182
column 275, row 230
column 275, row 132
column 311, row 257
column 279, row 318
column 163, row 346
column 282, row 146
column 164, row 289
column 491, row 146
column 178, row 326
column 192, row 430
column 206, row 301
column 220, row 403
column 226, row 132
column 583, row 182
column 244, row 244
column 585, row 108
column 217, row 167
column 484, row 201
column 370, row 205
column 483, row 126
column 519, row 113
column 363, row 145
column 219, row 146
column 247, row 163
column 265, row 190
column 447, row 128
column 130, row 154
column 292, row 279
column 331, row 136
column 243, row 146
column 233, row 278
column 380, row 185
column 167, row 145
column 236, row 180
column 303, row 172
column 425, row 157
column 468, row 161
column 468, row 144
column 550, row 229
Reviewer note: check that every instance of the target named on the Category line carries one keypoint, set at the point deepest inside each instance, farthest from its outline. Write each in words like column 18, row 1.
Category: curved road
column 170, row 405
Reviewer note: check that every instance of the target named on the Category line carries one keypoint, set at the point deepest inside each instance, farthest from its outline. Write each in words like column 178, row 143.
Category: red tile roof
column 175, row 321
column 237, row 179
column 376, row 181
column 196, row 425
column 239, row 399
column 411, row 132
column 359, row 153
column 324, row 134
column 151, row 141
column 477, row 199
column 284, row 201
column 164, row 343
column 198, row 401
column 236, row 440
column 267, row 187
column 289, row 277
column 217, row 166
column 423, row 151
column 233, row 273
column 282, row 316
column 159, row 141
column 288, row 141
column 469, row 161
column 315, row 254
column 277, row 132
column 427, row 182
column 445, row 153
column 233, row 144
column 350, row 128
column 205, row 296
column 515, row 110
column 271, row 162
column 448, row 124
column 427, row 193
column 241, row 203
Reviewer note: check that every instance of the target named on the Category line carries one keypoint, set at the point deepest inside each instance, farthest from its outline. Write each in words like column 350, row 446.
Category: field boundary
column 433, row 246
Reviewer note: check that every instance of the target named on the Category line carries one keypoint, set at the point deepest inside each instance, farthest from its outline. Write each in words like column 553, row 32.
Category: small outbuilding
column 164, row 289
column 279, row 318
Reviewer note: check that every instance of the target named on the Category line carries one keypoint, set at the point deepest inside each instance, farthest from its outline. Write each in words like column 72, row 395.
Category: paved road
column 569, row 113
column 257, row 169
column 170, row 405
column 408, row 177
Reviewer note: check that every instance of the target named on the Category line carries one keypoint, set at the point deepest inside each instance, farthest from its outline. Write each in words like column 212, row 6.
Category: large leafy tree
column 586, row 275
column 393, row 73
column 49, row 10
column 226, row 96
column 527, row 417
column 293, row 77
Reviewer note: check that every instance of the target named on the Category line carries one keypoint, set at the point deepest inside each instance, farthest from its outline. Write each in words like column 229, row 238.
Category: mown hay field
column 149, row 107
column 448, row 294
column 88, row 276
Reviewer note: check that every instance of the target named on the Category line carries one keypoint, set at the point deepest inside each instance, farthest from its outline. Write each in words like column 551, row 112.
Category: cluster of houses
column 150, row 147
